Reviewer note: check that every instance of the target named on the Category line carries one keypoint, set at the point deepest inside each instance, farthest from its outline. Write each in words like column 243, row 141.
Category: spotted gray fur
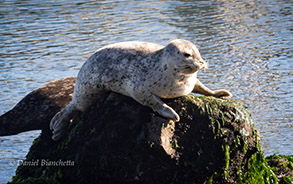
column 141, row 70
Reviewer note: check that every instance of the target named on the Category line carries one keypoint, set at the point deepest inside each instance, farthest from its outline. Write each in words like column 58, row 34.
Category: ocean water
column 248, row 45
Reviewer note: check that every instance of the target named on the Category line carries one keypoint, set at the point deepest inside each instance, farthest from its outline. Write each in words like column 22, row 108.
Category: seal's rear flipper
column 61, row 121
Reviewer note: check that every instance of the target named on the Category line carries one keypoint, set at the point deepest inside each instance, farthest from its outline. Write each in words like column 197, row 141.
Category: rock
column 121, row 141
column 282, row 165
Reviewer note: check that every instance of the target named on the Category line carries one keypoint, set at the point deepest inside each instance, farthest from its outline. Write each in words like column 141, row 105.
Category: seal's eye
column 186, row 55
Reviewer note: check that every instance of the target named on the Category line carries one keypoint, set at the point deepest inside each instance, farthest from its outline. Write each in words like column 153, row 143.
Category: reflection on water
column 248, row 46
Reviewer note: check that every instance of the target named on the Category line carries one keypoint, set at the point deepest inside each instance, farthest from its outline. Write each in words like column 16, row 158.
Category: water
column 248, row 45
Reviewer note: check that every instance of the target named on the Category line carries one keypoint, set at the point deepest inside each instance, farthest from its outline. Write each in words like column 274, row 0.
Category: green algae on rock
column 121, row 141
column 282, row 166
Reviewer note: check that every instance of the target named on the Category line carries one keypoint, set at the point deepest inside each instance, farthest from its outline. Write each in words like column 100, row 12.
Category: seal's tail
column 61, row 121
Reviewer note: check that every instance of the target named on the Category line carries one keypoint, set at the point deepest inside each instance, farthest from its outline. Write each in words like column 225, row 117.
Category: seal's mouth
column 190, row 69
column 194, row 67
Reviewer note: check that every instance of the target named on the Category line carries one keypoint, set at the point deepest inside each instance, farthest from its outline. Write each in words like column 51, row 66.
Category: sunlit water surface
column 248, row 45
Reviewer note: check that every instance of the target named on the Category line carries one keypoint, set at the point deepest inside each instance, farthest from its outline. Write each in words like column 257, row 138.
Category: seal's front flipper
column 159, row 106
column 222, row 93
column 61, row 121
column 202, row 89
column 167, row 112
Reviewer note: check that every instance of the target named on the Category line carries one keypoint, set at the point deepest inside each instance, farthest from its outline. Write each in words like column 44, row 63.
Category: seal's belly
column 174, row 93
column 176, row 88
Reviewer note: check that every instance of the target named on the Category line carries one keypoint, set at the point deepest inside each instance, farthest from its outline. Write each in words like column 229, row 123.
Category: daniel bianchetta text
column 44, row 162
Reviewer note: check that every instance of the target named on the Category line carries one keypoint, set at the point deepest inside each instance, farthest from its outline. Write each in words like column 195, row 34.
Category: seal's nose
column 203, row 64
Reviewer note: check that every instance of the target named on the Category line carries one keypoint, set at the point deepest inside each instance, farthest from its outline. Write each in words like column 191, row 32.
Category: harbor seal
column 143, row 71
column 36, row 109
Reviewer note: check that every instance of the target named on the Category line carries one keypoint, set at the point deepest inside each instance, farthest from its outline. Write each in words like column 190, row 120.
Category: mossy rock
column 121, row 141
column 282, row 166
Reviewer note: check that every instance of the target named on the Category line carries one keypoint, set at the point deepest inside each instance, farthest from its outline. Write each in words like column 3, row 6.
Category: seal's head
column 183, row 57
